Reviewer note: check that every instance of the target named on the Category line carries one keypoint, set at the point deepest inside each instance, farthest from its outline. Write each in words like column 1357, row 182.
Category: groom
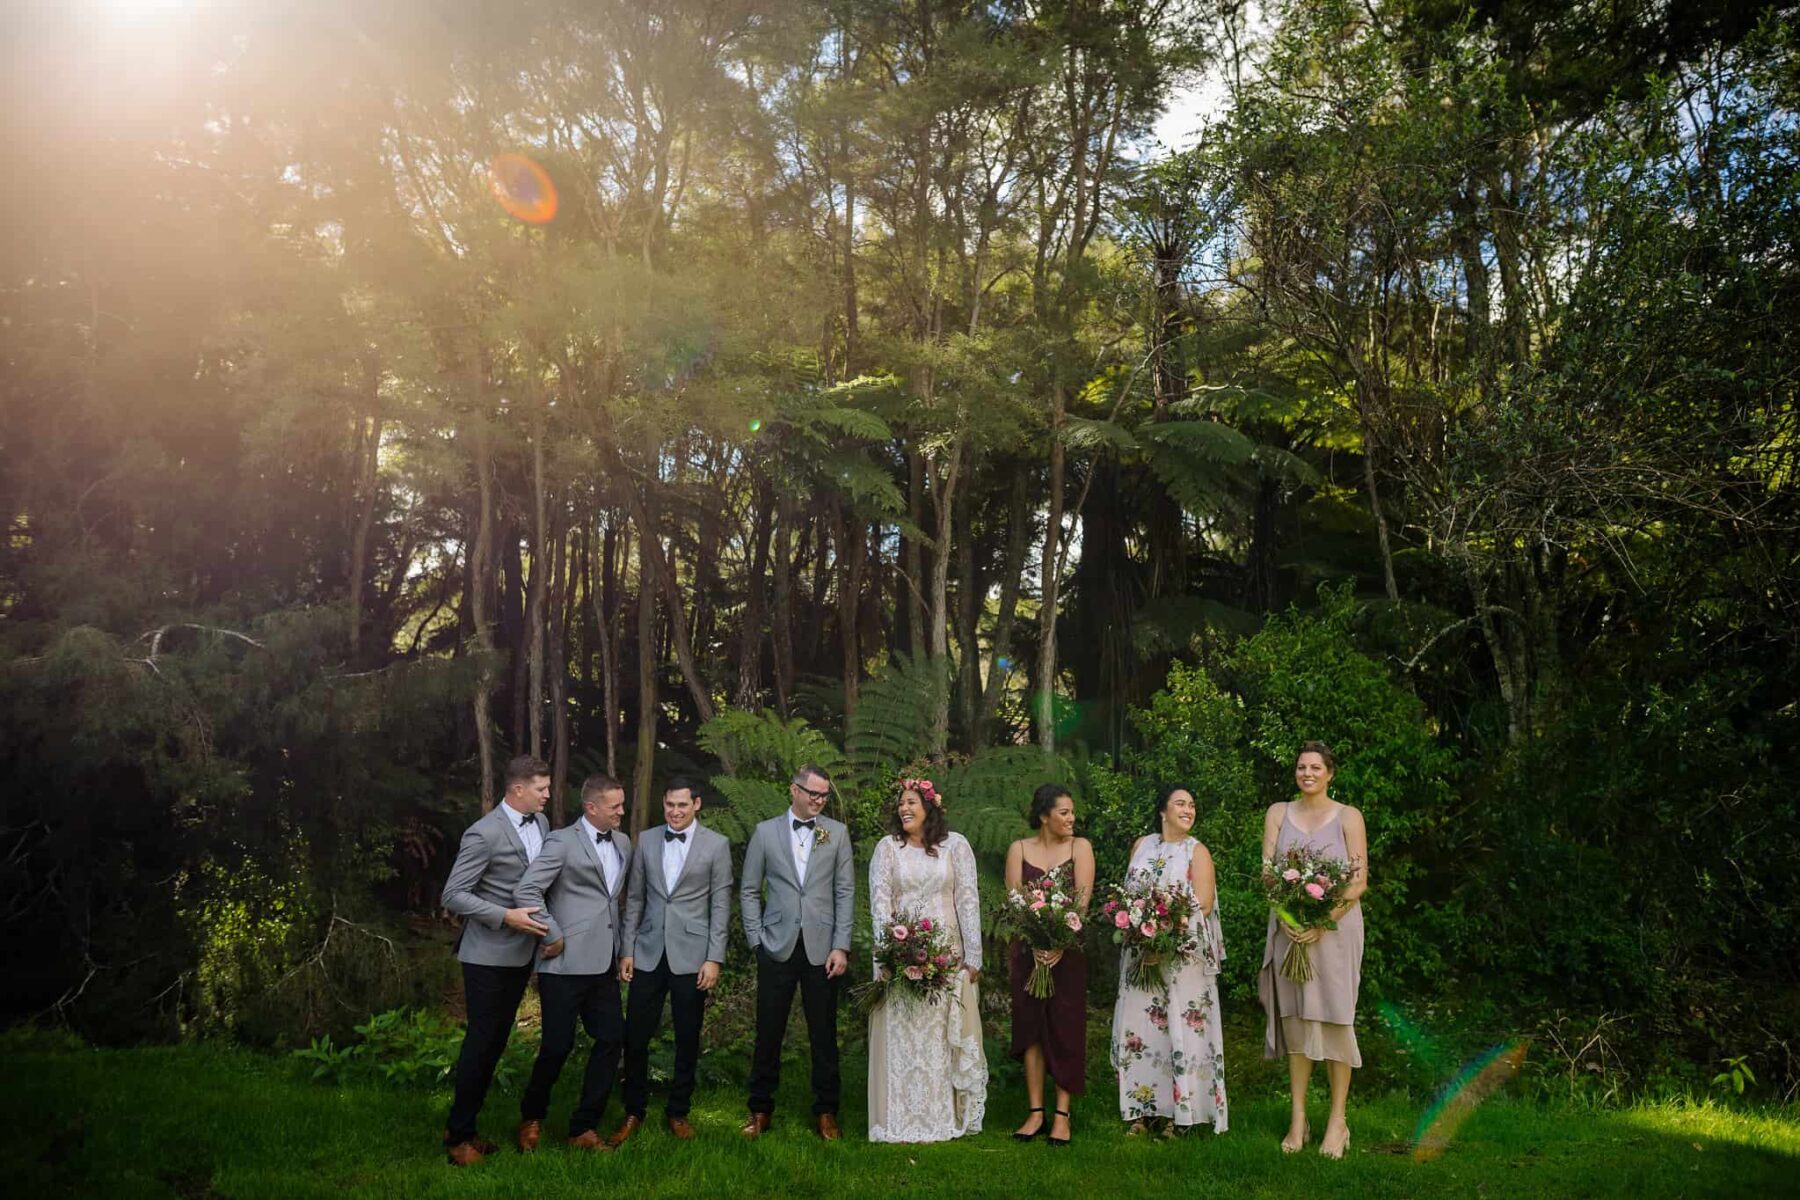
column 497, row 943
column 800, row 934
column 677, row 908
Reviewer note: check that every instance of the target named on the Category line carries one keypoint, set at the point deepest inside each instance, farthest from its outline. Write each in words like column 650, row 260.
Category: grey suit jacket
column 488, row 867
column 568, row 883
column 686, row 920
column 820, row 913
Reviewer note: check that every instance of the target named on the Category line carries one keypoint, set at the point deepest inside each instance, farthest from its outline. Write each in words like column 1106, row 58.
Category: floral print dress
column 1167, row 1044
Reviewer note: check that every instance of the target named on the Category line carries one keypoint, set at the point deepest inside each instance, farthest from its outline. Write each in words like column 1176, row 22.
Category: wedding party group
column 587, row 908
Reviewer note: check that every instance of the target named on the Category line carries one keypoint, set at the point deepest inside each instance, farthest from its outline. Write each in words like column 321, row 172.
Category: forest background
column 882, row 394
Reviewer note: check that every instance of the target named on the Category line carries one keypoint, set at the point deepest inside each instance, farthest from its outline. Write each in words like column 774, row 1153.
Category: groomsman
column 497, row 943
column 579, row 884
column 801, row 937
column 677, row 907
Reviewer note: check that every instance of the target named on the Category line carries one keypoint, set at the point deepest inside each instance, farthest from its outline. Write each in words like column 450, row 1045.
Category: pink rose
column 1073, row 921
column 900, row 932
column 1122, row 920
column 915, row 973
column 925, row 925
column 1148, row 929
column 1315, row 891
column 1036, row 905
column 1162, row 910
column 1290, row 875
column 942, row 960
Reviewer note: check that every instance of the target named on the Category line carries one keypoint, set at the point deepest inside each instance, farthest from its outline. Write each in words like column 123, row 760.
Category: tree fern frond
column 747, row 802
column 892, row 722
column 763, row 746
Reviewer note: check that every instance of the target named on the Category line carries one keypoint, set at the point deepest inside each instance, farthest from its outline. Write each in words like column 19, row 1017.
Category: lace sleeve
column 881, row 887
column 968, row 900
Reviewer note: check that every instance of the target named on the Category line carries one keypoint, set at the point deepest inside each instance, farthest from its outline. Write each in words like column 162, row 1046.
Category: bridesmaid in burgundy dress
column 1051, row 1035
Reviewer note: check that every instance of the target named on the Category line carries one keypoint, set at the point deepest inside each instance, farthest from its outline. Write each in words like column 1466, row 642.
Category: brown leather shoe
column 588, row 1139
column 680, row 1128
column 464, row 1154
column 529, row 1133
column 624, row 1132
column 828, row 1127
column 481, row 1144
column 757, row 1125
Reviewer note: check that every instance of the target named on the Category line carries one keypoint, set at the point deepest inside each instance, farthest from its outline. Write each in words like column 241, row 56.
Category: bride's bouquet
column 913, row 957
column 1150, row 921
column 1044, row 915
column 1303, row 887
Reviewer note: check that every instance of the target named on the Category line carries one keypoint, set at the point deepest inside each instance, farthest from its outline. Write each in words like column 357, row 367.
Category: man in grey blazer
column 677, row 908
column 800, row 933
column 579, row 883
column 497, row 943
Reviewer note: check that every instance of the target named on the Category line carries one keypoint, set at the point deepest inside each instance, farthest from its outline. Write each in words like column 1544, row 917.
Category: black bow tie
column 669, row 836
column 799, row 824
column 604, row 835
column 527, row 820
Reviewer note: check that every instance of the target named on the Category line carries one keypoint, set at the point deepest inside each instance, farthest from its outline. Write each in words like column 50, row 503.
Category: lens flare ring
column 522, row 188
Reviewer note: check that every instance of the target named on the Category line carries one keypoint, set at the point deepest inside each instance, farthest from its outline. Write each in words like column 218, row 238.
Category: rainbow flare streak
column 1475, row 1083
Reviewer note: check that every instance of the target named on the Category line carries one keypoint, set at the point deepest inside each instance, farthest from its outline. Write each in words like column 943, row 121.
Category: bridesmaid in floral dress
column 1168, row 1046
column 1051, row 1035
column 1316, row 1021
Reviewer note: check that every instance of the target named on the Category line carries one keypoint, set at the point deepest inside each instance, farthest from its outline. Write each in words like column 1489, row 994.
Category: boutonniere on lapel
column 821, row 837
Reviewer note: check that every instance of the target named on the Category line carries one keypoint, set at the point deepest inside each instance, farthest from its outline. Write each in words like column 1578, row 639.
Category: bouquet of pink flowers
column 1150, row 921
column 1303, row 887
column 913, row 957
column 1045, row 916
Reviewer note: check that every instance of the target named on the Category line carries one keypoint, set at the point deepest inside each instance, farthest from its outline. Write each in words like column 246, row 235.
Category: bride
column 927, row 1072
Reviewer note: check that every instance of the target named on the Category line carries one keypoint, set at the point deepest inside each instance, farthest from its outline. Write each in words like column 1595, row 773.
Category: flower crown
column 925, row 789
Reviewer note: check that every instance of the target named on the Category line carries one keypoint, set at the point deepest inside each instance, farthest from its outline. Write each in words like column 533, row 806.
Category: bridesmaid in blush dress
column 1316, row 1021
column 1051, row 1035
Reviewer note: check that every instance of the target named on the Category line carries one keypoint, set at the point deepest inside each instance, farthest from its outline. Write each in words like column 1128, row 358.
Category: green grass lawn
column 202, row 1121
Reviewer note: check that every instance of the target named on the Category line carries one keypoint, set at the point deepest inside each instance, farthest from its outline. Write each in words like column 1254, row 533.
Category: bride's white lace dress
column 927, row 1071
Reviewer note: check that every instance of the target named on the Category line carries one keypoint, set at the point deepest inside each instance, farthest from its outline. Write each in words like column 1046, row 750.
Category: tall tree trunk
column 1045, row 701
column 912, row 556
column 538, row 611
column 483, row 560
column 607, row 603
column 944, row 481
column 969, row 592
column 781, row 628
column 847, row 533
column 650, row 549
column 515, row 629
column 1012, row 570
column 562, row 581
column 750, row 633
column 648, row 705
column 1380, row 514
column 367, row 494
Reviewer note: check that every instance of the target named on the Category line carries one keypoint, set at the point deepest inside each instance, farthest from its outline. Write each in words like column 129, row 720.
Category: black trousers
column 775, row 984
column 594, row 1001
column 643, row 1016
column 492, row 996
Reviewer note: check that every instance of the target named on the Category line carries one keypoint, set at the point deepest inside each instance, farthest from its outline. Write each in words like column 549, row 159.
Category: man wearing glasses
column 800, row 933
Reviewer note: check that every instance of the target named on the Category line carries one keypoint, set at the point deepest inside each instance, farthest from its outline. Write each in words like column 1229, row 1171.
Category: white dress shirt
column 802, row 843
column 608, row 852
column 530, row 832
column 675, row 853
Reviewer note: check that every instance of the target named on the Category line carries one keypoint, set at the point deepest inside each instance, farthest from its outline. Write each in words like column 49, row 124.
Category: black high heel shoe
column 1056, row 1141
column 1042, row 1127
